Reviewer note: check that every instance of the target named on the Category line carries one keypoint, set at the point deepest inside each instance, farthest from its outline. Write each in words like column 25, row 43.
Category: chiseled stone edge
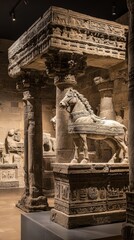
column 91, row 219
column 41, row 36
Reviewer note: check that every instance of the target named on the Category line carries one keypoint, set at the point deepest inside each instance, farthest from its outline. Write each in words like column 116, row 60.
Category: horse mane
column 86, row 103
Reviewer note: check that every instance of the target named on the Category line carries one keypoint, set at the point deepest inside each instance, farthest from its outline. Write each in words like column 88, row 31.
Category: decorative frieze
column 89, row 192
column 67, row 30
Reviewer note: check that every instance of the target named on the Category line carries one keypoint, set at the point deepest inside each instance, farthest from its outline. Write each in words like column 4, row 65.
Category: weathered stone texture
column 89, row 194
column 64, row 29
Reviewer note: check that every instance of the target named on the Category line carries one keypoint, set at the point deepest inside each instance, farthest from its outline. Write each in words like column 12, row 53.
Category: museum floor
column 10, row 215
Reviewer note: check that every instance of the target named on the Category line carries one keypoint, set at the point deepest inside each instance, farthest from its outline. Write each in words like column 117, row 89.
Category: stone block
column 89, row 194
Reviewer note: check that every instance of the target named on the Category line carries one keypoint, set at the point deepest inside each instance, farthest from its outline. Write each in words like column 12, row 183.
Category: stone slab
column 37, row 226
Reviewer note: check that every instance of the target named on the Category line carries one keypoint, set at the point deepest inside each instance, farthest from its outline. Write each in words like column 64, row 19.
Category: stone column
column 64, row 66
column 105, row 87
column 128, row 229
column 32, row 198
column 26, row 147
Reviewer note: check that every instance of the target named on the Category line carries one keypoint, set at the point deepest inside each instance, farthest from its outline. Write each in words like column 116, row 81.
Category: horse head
column 69, row 101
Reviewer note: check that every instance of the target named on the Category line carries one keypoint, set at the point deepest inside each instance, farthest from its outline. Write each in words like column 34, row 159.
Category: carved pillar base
column 128, row 227
column 29, row 204
column 90, row 194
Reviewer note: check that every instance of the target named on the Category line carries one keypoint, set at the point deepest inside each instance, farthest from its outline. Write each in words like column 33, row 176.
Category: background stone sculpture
column 85, row 124
column 48, row 142
column 13, row 142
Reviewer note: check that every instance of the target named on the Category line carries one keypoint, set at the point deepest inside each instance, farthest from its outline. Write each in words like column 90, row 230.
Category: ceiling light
column 13, row 16
column 114, row 10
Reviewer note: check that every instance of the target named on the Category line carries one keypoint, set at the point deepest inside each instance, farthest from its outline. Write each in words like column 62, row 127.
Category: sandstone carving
column 53, row 121
column 67, row 30
column 85, row 124
column 14, row 143
column 48, row 142
column 98, row 198
column 1, row 150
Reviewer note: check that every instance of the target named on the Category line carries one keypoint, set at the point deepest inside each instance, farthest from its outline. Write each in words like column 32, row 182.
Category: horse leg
column 114, row 146
column 83, row 138
column 76, row 150
column 124, row 148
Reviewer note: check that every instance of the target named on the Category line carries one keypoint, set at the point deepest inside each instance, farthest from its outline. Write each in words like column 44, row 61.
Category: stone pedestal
column 89, row 194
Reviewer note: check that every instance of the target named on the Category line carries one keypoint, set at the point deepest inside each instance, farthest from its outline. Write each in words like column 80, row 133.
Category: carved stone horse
column 85, row 124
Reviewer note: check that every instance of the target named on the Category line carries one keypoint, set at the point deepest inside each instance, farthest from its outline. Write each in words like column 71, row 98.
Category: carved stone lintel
column 60, row 28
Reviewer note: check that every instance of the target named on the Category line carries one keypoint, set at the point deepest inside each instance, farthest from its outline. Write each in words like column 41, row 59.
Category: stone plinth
column 90, row 194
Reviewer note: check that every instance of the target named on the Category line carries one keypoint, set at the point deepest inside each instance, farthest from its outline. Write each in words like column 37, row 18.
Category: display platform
column 38, row 226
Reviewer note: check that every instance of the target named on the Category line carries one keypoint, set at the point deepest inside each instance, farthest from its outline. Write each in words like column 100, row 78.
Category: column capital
column 105, row 85
column 31, row 79
column 64, row 66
